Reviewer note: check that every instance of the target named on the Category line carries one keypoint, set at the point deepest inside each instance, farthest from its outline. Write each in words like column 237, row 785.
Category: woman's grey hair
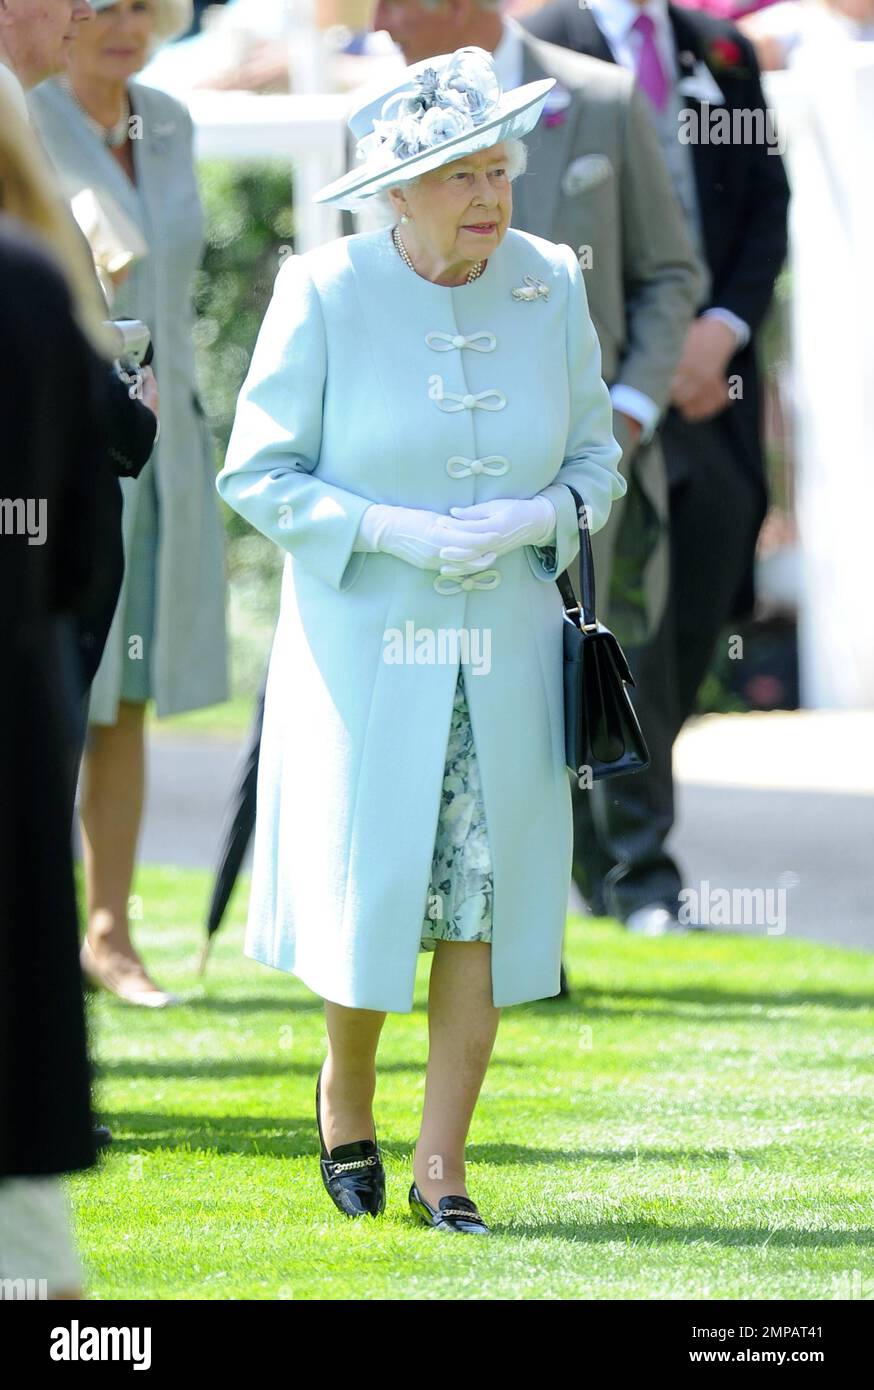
column 517, row 162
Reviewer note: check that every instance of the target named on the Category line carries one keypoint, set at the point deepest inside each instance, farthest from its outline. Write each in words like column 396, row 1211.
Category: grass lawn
column 693, row 1123
column 231, row 720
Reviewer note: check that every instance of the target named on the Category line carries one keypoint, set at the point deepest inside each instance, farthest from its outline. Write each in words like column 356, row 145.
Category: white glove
column 508, row 522
column 422, row 538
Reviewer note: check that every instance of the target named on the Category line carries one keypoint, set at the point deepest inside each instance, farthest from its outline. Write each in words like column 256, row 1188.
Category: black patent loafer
column 353, row 1174
column 102, row 1136
column 450, row 1214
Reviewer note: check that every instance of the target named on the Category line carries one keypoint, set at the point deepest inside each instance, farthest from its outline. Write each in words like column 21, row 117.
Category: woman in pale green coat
column 416, row 400
column 132, row 147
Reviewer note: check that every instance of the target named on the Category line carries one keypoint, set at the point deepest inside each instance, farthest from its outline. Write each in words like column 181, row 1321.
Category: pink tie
column 651, row 74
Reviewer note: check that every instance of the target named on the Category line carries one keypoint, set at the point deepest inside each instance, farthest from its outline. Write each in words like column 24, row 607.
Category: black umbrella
column 237, row 830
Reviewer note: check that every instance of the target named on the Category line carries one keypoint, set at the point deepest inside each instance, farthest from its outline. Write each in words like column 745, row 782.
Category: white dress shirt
column 615, row 19
column 10, row 84
column 508, row 55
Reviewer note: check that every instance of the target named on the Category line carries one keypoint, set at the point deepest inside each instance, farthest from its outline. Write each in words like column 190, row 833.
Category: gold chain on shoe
column 354, row 1163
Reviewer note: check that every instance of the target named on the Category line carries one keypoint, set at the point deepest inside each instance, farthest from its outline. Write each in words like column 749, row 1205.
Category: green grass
column 694, row 1123
column 231, row 719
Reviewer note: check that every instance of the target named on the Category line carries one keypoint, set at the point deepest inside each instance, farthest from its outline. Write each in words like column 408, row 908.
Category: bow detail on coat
column 485, row 579
column 460, row 467
column 445, row 342
column 492, row 399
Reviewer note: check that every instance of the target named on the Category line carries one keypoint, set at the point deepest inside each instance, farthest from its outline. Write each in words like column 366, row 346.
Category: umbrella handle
column 204, row 956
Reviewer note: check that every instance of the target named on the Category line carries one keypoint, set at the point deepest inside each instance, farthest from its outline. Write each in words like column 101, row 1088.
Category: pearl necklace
column 405, row 257
column 115, row 135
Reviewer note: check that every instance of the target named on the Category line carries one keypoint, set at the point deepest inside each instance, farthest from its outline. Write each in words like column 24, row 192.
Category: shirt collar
column 508, row 55
column 12, row 87
column 615, row 17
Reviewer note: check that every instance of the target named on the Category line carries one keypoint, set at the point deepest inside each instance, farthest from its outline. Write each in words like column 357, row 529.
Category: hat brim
column 517, row 114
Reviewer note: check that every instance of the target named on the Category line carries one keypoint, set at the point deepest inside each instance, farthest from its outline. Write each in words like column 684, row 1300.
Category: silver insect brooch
column 532, row 289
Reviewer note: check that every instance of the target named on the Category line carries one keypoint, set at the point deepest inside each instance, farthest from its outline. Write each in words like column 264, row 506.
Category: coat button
column 468, row 402
column 467, row 583
column 458, row 340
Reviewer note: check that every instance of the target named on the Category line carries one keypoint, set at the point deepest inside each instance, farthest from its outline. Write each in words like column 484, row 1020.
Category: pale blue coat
column 341, row 407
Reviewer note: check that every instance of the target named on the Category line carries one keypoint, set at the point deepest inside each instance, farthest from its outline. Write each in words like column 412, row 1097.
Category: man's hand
column 699, row 389
column 150, row 396
column 633, row 428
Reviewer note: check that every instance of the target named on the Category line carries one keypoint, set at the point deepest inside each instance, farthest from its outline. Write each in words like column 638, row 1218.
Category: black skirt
column 45, row 1108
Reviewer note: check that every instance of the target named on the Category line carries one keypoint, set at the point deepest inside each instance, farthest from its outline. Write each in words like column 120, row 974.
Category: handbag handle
column 581, row 612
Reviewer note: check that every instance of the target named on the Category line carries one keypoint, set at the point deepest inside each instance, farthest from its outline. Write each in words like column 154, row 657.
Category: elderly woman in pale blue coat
column 131, row 146
column 416, row 400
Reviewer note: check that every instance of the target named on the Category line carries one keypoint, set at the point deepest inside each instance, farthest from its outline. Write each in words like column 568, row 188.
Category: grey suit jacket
column 596, row 179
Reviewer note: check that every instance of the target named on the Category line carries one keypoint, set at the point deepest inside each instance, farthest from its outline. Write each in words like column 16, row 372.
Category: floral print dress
column 459, row 903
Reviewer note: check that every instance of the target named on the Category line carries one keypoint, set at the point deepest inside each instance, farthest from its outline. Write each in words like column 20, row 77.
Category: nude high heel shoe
column 99, row 977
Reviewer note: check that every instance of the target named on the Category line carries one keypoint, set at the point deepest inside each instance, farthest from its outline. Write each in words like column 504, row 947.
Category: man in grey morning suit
column 734, row 196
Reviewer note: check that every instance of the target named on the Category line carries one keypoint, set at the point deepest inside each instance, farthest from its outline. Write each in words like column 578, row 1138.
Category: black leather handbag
column 601, row 730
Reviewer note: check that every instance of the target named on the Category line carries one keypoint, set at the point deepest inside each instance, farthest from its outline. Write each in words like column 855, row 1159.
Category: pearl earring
column 404, row 218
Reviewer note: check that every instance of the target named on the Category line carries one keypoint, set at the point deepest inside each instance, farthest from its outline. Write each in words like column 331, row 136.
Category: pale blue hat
column 443, row 108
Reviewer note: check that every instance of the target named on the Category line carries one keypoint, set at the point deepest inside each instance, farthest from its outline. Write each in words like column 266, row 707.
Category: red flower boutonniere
column 726, row 56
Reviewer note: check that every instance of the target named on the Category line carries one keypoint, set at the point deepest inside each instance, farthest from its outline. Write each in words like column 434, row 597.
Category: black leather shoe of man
column 353, row 1174
column 450, row 1214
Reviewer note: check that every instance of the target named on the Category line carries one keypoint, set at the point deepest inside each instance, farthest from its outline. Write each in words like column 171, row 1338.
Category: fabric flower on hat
column 470, row 76
column 469, row 99
column 405, row 136
column 415, row 102
column 391, row 140
column 429, row 84
column 442, row 123
column 444, row 103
